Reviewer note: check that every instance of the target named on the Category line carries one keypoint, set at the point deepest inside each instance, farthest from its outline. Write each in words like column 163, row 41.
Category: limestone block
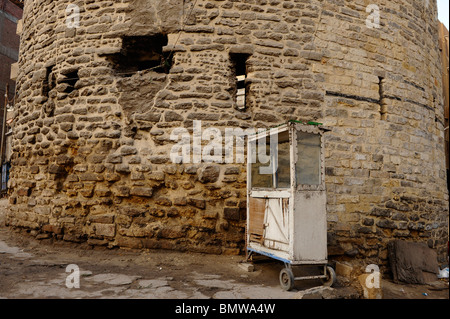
column 344, row 269
column 108, row 230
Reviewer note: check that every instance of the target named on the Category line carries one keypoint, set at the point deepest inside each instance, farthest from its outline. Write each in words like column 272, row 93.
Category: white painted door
column 310, row 226
column 276, row 224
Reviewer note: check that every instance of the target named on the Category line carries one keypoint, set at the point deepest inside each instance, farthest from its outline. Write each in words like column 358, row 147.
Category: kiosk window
column 307, row 168
column 270, row 166
column 260, row 178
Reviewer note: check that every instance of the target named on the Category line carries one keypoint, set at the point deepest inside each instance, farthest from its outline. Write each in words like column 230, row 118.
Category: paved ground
column 31, row 268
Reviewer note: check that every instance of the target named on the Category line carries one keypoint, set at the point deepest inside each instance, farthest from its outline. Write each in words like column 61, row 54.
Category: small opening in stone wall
column 49, row 81
column 239, row 63
column 383, row 112
column 70, row 79
column 141, row 53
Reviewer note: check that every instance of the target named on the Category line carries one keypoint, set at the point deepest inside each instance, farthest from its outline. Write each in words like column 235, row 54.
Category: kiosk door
column 310, row 224
column 270, row 191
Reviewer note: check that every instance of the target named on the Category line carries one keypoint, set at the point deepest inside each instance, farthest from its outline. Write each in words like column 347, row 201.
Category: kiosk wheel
column 287, row 279
column 331, row 277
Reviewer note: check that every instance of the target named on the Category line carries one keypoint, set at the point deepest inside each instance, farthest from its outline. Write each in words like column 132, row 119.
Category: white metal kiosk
column 286, row 199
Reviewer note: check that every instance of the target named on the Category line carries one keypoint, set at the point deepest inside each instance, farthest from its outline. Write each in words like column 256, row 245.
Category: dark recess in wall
column 141, row 53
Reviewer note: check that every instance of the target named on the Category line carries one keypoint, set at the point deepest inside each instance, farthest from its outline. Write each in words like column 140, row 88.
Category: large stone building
column 103, row 84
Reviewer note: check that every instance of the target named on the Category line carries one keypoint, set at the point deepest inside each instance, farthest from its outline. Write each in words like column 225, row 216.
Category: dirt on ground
column 31, row 268
column 39, row 269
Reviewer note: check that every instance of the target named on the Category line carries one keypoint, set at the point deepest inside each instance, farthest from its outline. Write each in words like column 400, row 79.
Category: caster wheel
column 331, row 277
column 287, row 279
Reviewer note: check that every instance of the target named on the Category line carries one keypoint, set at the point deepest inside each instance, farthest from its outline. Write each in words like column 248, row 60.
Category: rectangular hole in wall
column 141, row 53
column 383, row 111
column 239, row 64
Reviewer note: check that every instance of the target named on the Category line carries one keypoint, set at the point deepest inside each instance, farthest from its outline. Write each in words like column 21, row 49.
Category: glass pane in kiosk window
column 284, row 159
column 260, row 180
column 307, row 168
column 280, row 154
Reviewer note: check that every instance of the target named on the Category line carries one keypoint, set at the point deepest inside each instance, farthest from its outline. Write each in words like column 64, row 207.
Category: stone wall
column 94, row 118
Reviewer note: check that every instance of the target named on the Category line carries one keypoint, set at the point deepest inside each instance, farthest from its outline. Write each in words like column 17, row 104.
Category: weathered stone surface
column 163, row 201
column 121, row 191
column 172, row 232
column 131, row 211
column 107, row 230
column 199, row 203
column 180, row 201
column 56, row 169
column 208, row 174
column 52, row 229
column 128, row 150
column 231, row 213
column 142, row 191
column 102, row 219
